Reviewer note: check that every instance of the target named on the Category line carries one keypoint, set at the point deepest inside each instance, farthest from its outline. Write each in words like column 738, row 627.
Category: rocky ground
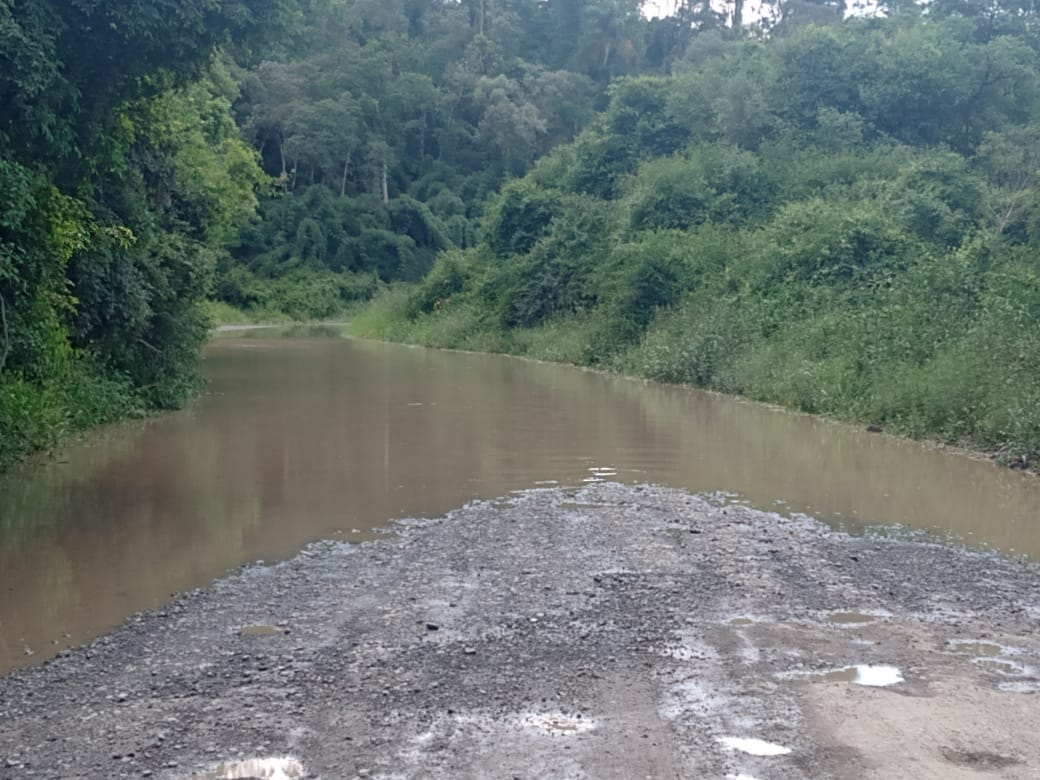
column 610, row 632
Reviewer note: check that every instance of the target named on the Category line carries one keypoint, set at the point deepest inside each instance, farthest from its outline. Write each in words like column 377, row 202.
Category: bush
column 518, row 217
column 37, row 415
column 450, row 275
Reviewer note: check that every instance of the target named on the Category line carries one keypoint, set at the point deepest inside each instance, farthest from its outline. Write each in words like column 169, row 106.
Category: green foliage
column 842, row 220
column 717, row 183
column 322, row 231
column 450, row 275
column 35, row 415
column 824, row 242
column 410, row 116
column 304, row 294
column 122, row 177
column 520, row 215
column 557, row 276
column 638, row 124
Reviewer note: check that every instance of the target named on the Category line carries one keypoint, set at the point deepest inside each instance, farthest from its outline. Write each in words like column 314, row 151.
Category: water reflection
column 307, row 438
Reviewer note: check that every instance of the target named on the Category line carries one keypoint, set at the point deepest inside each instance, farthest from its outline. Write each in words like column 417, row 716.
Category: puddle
column 850, row 618
column 283, row 768
column 848, row 674
column 557, row 724
column 1000, row 666
column 972, row 647
column 879, row 676
column 753, row 746
column 1019, row 686
column 260, row 630
column 979, row 759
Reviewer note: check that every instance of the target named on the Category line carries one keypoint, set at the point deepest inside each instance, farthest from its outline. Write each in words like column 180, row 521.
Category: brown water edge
column 309, row 438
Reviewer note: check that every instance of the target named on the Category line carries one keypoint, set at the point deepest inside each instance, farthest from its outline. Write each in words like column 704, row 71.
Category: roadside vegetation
column 843, row 219
column 123, row 177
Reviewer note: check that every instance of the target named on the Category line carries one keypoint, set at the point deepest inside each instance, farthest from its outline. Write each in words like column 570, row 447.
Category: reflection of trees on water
column 304, row 438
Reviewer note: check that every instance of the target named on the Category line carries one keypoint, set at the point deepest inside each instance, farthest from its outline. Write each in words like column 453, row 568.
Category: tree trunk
column 284, row 177
column 343, row 182
column 386, row 189
column 7, row 335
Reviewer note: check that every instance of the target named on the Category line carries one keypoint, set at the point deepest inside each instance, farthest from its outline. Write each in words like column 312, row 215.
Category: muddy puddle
column 872, row 676
column 279, row 768
column 312, row 437
column 850, row 618
column 980, row 648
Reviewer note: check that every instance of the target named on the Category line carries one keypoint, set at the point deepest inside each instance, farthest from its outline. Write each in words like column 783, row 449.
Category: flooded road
column 313, row 437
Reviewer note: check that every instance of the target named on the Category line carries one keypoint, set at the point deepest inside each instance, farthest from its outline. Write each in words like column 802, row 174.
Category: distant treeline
column 386, row 125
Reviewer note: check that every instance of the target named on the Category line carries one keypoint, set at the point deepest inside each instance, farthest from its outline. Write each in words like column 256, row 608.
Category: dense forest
column 123, row 178
column 388, row 125
column 830, row 207
column 283, row 156
column 840, row 218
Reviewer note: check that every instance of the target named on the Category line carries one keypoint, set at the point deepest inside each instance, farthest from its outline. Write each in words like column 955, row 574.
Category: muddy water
column 314, row 437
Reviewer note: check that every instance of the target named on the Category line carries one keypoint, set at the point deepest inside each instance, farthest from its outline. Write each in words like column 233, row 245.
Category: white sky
column 652, row 9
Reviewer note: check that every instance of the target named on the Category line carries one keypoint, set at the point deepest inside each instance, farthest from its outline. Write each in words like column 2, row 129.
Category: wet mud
column 605, row 632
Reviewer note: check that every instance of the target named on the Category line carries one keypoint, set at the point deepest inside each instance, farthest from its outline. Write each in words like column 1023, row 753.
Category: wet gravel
column 612, row 631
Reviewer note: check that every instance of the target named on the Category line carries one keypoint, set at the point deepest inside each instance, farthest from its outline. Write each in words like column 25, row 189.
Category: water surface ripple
column 311, row 437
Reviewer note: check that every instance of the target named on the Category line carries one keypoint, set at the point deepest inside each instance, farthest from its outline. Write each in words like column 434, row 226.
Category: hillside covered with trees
column 840, row 218
column 386, row 125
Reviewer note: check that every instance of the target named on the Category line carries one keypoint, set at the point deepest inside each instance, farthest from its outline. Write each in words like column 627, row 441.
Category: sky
column 653, row 9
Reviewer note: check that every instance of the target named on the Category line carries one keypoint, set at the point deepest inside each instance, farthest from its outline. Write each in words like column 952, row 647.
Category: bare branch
column 152, row 347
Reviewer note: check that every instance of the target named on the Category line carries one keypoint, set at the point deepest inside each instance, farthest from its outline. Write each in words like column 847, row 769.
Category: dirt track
column 612, row 632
